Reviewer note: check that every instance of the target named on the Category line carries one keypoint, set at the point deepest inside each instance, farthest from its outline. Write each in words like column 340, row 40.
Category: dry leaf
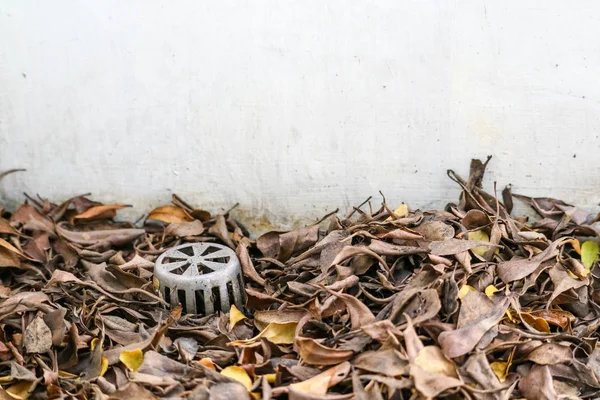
column 132, row 359
column 100, row 212
column 315, row 353
column 38, row 337
column 461, row 341
column 482, row 236
column 589, row 253
column 170, row 215
column 235, row 316
column 239, row 374
column 275, row 333
column 321, row 383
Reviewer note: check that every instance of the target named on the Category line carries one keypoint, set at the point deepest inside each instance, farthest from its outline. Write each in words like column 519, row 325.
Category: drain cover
column 201, row 276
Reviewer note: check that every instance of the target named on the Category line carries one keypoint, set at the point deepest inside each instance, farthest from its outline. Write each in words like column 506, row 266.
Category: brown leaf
column 435, row 231
column 538, row 384
column 402, row 234
column 228, row 391
column 380, row 330
column 282, row 245
column 170, row 215
column 133, row 391
column 32, row 219
column 550, row 354
column 321, row 383
column 461, row 341
column 6, row 227
column 60, row 276
column 219, row 229
column 456, row 246
column 8, row 258
column 56, row 323
column 38, row 337
column 184, row 229
column 518, row 268
column 558, row 318
column 4, row 244
column 563, row 282
column 431, row 384
column 100, row 212
column 111, row 237
column 246, row 262
column 384, row 361
column 388, row 249
column 360, row 315
column 354, row 251
column 315, row 353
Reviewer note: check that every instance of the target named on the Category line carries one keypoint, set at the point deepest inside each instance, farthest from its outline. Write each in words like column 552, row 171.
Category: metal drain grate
column 200, row 276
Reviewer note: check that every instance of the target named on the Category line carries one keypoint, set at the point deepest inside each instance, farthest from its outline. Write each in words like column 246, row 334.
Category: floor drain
column 200, row 276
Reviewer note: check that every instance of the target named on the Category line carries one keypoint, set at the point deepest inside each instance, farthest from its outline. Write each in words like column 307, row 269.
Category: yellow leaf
column 270, row 377
column 19, row 391
column 572, row 275
column 589, row 253
column 500, row 368
column 132, row 359
column 509, row 315
column 208, row 363
column 239, row 374
column 276, row 333
column 65, row 374
column 400, row 212
column 575, row 244
column 490, row 290
column 93, row 343
column 481, row 236
column 235, row 316
column 464, row 290
column 103, row 366
column 540, row 324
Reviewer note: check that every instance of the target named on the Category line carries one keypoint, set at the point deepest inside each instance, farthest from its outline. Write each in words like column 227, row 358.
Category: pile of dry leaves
column 468, row 302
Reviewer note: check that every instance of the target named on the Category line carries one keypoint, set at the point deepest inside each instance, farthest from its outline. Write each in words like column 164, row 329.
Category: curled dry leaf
column 315, row 353
column 170, row 215
column 185, row 229
column 461, row 341
column 100, row 212
column 359, row 313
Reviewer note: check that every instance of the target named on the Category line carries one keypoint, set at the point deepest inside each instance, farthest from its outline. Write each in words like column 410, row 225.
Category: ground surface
column 385, row 303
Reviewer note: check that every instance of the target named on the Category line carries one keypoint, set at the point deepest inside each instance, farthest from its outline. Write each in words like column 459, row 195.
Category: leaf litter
column 470, row 302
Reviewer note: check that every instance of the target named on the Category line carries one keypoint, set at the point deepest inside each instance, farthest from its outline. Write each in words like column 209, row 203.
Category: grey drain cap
column 200, row 276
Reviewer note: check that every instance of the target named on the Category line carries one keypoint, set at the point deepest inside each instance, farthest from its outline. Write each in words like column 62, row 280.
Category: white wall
column 294, row 108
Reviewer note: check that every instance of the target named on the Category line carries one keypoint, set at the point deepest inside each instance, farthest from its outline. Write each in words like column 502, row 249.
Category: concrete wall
column 294, row 108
